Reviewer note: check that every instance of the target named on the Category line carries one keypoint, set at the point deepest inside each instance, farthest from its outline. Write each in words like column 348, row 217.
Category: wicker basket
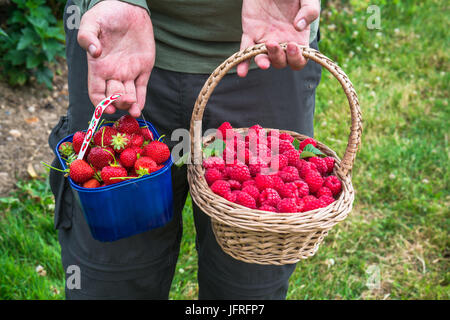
column 260, row 237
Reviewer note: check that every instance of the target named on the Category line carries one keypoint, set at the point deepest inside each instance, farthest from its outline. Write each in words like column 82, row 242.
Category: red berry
column 287, row 205
column 136, row 140
column 92, row 183
column 158, row 151
column 278, row 162
column 230, row 196
column 127, row 124
column 240, row 172
column 263, row 181
column 247, row 183
column 100, row 157
column 293, row 157
column 128, row 157
column 246, row 200
column 220, row 187
column 80, row 171
column 326, row 201
column 314, row 181
column 77, row 141
column 289, row 174
column 251, row 190
column 256, row 165
column 110, row 172
column 145, row 165
column 306, row 142
column 330, row 164
column 266, row 207
column 146, row 133
column 214, row 162
column 324, row 191
column 311, row 203
column 289, row 190
column 286, row 136
column 302, row 187
column 334, row 184
column 212, row 175
column 307, row 168
column 225, row 131
column 120, row 141
column 269, row 197
column 103, row 136
column 285, row 146
column 320, row 164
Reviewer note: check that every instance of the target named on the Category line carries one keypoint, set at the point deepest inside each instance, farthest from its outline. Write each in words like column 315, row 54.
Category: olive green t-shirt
column 193, row 36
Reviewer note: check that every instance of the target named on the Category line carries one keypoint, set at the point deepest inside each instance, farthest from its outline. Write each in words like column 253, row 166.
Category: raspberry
column 302, row 187
column 289, row 174
column 324, row 191
column 277, row 183
column 246, row 200
column 225, row 131
column 263, row 181
column 230, row 196
column 235, row 185
column 244, row 155
column 307, row 168
column 306, row 142
column 287, row 205
column 314, row 181
column 257, row 128
column 255, row 166
column 269, row 197
column 240, row 172
column 212, row 175
column 220, row 187
column 252, row 190
column 278, row 162
column 300, row 204
column 293, row 157
column 311, row 203
column 274, row 144
column 266, row 207
column 320, row 164
column 326, row 201
column 330, row 164
column 214, row 162
column 285, row 146
column 248, row 183
column 286, row 136
column 299, row 165
column 273, row 133
column 333, row 183
column 289, row 190
column 228, row 155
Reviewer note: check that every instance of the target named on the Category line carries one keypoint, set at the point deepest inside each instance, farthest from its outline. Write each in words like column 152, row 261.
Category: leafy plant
column 31, row 39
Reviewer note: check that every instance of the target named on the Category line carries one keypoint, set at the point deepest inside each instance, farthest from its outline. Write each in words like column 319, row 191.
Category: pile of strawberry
column 270, row 171
column 116, row 153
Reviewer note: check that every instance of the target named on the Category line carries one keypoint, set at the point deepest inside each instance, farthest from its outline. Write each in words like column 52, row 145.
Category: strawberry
column 112, row 174
column 91, row 183
column 146, row 133
column 128, row 157
column 100, row 157
column 80, row 171
column 145, row 165
column 103, row 136
column 77, row 141
column 127, row 124
column 120, row 141
column 158, row 151
column 136, row 140
column 66, row 149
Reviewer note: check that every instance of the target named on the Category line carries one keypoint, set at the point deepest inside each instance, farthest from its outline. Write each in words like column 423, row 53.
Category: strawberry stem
column 50, row 167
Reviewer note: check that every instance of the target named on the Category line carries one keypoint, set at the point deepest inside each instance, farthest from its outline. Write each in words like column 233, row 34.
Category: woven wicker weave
column 261, row 237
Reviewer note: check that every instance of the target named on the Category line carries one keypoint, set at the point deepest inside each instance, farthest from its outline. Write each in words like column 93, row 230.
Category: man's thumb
column 88, row 38
column 309, row 11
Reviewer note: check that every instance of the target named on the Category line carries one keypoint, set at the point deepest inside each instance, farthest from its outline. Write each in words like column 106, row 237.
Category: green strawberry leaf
column 296, row 144
column 310, row 151
column 214, row 149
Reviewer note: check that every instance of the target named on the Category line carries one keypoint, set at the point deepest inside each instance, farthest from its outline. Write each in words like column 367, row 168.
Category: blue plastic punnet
column 129, row 207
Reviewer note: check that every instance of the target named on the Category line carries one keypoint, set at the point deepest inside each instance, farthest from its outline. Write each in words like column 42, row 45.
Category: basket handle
column 354, row 139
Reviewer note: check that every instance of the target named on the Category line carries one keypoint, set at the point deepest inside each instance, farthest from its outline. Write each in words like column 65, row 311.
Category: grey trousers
column 142, row 266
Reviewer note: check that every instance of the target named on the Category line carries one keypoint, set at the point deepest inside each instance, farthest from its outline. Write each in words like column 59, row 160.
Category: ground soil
column 27, row 115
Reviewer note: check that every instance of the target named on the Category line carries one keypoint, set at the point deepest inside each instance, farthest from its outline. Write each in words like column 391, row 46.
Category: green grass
column 400, row 222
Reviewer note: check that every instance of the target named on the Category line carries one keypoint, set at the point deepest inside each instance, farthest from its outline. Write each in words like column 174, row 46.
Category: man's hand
column 275, row 21
column 121, row 53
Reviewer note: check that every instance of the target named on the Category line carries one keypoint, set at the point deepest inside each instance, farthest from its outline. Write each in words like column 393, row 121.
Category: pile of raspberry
column 263, row 170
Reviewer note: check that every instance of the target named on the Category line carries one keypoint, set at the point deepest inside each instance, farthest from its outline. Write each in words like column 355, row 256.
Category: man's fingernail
column 301, row 24
column 92, row 49
column 292, row 50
